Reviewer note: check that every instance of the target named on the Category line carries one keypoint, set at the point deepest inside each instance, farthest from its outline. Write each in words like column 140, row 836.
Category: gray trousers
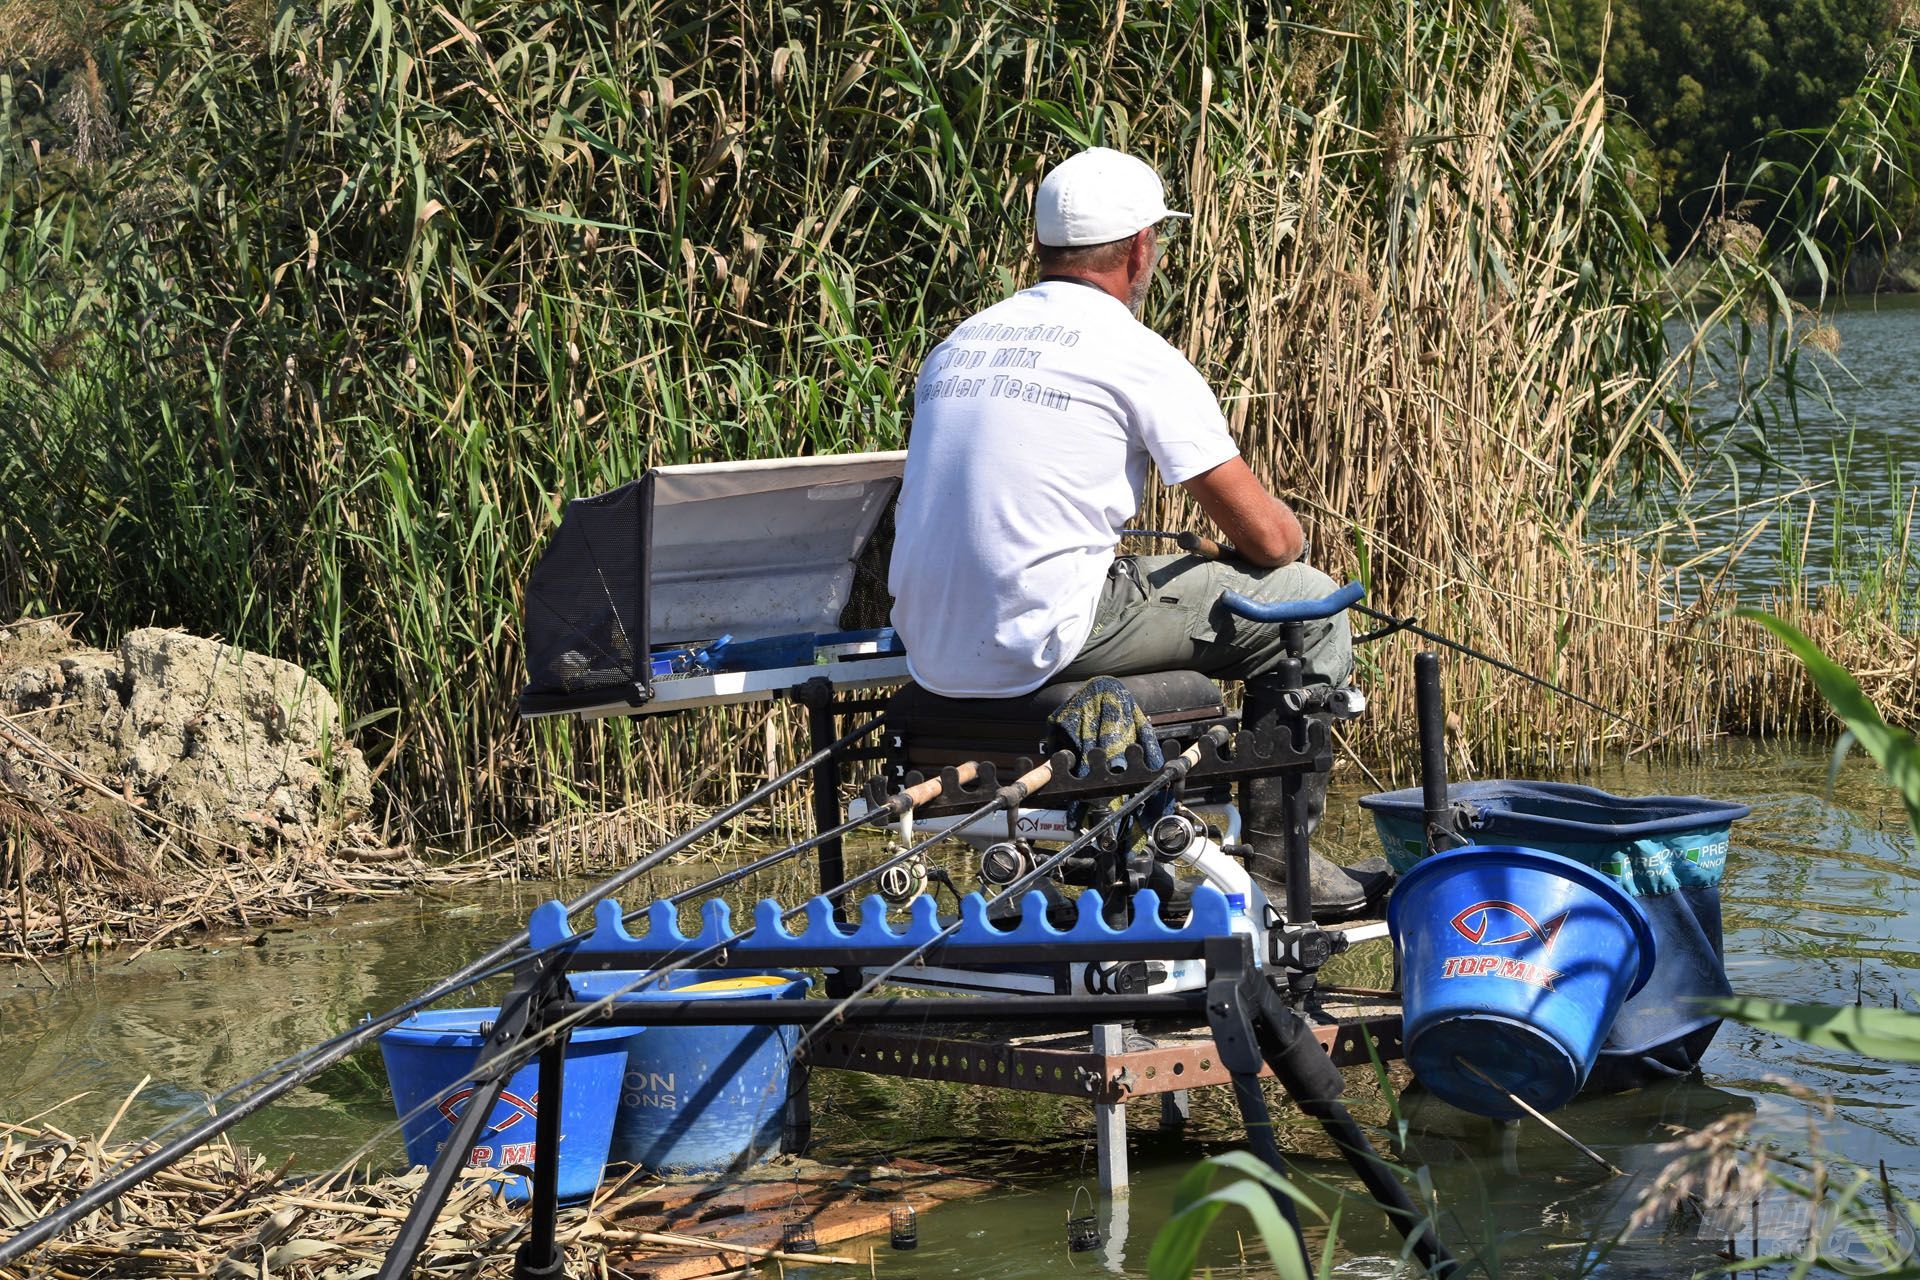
column 1163, row 613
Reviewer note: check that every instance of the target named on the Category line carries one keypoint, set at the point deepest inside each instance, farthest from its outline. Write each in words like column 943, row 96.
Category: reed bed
column 313, row 318
column 226, row 1213
column 69, row 884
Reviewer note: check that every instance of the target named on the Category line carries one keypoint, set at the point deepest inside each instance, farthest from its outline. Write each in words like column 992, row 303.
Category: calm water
column 1854, row 472
column 1821, row 900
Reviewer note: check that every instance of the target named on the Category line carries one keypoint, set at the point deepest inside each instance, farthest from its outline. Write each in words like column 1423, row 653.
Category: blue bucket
column 437, row 1048
column 700, row 1099
column 1514, row 962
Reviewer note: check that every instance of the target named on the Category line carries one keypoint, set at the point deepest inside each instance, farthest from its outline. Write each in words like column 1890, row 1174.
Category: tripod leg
column 540, row 1258
column 1314, row 1083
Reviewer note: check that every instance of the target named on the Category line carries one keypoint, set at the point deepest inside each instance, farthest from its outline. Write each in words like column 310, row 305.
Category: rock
column 203, row 734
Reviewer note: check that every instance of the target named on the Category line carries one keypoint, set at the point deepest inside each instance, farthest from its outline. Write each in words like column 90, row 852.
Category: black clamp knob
column 1305, row 947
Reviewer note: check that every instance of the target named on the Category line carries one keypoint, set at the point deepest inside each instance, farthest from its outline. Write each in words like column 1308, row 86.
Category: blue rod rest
column 1338, row 601
column 548, row 926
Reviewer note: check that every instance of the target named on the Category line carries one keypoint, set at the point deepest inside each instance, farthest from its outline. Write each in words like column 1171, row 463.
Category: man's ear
column 1140, row 253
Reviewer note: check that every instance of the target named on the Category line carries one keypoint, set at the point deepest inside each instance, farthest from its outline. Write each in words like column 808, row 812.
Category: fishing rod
column 1010, row 796
column 901, row 802
column 503, row 1066
column 1407, row 624
column 1170, row 773
column 303, row 1066
column 1209, row 549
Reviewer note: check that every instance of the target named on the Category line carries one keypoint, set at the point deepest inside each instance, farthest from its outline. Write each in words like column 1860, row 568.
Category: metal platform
column 1356, row 1028
column 1353, row 1030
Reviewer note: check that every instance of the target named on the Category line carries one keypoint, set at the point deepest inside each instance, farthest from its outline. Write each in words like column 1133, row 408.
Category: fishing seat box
column 926, row 732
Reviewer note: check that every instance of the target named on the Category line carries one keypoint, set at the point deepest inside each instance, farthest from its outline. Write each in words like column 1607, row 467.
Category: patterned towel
column 1103, row 713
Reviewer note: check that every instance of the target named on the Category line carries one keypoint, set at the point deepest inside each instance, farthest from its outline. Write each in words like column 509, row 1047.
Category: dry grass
column 70, row 883
column 1437, row 421
column 224, row 1213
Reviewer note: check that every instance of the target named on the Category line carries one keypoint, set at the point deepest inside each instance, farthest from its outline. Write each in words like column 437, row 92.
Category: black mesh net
column 584, row 623
column 869, row 603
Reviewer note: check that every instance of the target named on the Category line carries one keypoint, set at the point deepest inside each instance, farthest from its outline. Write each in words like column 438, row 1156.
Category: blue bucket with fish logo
column 1513, row 964
column 699, row 1099
column 428, row 1059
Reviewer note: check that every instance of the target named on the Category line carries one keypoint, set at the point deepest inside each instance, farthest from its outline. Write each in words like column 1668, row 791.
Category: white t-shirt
column 1032, row 427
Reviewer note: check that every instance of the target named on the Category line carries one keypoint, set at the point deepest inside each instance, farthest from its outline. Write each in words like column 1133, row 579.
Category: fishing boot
column 1339, row 893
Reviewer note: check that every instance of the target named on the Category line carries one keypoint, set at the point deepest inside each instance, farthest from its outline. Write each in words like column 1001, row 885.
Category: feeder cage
column 905, row 1227
column 1083, row 1230
column 798, row 1237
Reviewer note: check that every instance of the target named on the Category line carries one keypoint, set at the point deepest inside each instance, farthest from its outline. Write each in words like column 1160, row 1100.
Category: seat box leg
column 1110, row 1119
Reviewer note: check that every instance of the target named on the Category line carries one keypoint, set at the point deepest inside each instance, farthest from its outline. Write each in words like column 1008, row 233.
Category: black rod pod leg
column 1439, row 820
column 536, row 983
column 817, row 696
column 1288, row 1047
column 1292, row 678
column 541, row 1258
column 796, row 1113
column 1229, row 966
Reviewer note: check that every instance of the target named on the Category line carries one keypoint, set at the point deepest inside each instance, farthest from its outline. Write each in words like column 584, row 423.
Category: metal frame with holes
column 1070, row 1066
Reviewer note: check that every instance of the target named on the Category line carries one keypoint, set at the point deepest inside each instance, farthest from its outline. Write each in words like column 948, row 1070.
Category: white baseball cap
column 1098, row 196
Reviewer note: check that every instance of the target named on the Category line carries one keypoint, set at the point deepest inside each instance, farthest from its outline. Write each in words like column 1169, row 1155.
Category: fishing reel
column 1005, row 862
column 1174, row 834
column 902, row 882
column 1342, row 702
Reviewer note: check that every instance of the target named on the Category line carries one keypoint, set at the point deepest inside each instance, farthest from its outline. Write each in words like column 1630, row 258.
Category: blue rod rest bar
column 548, row 926
column 1294, row 610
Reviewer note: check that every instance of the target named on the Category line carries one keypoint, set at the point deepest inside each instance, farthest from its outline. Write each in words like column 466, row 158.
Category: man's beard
column 1137, row 291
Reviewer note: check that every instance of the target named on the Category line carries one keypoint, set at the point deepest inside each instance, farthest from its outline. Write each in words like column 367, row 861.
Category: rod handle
column 1215, row 737
column 1033, row 779
column 921, row 792
column 1206, row 548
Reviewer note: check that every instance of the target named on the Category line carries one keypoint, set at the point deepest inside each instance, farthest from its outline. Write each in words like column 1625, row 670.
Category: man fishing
column 1033, row 427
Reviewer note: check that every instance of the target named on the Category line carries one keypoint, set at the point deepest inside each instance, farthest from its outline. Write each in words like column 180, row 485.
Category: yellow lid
column 745, row 982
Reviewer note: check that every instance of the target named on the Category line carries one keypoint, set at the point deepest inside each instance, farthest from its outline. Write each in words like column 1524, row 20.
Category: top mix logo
column 518, row 1108
column 1495, row 923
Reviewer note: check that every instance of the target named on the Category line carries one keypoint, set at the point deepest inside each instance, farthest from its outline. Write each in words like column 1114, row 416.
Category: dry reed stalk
column 100, row 909
column 222, row 1212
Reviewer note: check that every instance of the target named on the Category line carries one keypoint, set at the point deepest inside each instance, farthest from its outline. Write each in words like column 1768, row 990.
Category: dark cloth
column 1103, row 714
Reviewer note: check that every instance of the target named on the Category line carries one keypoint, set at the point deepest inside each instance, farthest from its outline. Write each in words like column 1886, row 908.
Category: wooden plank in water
column 839, row 1203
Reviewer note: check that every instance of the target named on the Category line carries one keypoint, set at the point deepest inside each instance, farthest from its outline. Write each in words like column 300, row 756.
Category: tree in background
column 1708, row 82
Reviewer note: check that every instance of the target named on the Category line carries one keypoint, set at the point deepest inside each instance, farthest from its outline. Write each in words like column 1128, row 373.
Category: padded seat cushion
column 1169, row 698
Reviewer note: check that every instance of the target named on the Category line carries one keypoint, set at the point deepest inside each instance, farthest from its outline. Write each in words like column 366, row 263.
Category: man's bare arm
column 1261, row 527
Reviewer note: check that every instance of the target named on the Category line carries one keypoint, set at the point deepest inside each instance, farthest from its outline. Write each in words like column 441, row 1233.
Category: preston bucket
column 1513, row 965
column 437, row 1047
column 698, row 1099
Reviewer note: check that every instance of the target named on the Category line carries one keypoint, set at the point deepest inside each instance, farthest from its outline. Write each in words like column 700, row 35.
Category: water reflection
column 1847, row 470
